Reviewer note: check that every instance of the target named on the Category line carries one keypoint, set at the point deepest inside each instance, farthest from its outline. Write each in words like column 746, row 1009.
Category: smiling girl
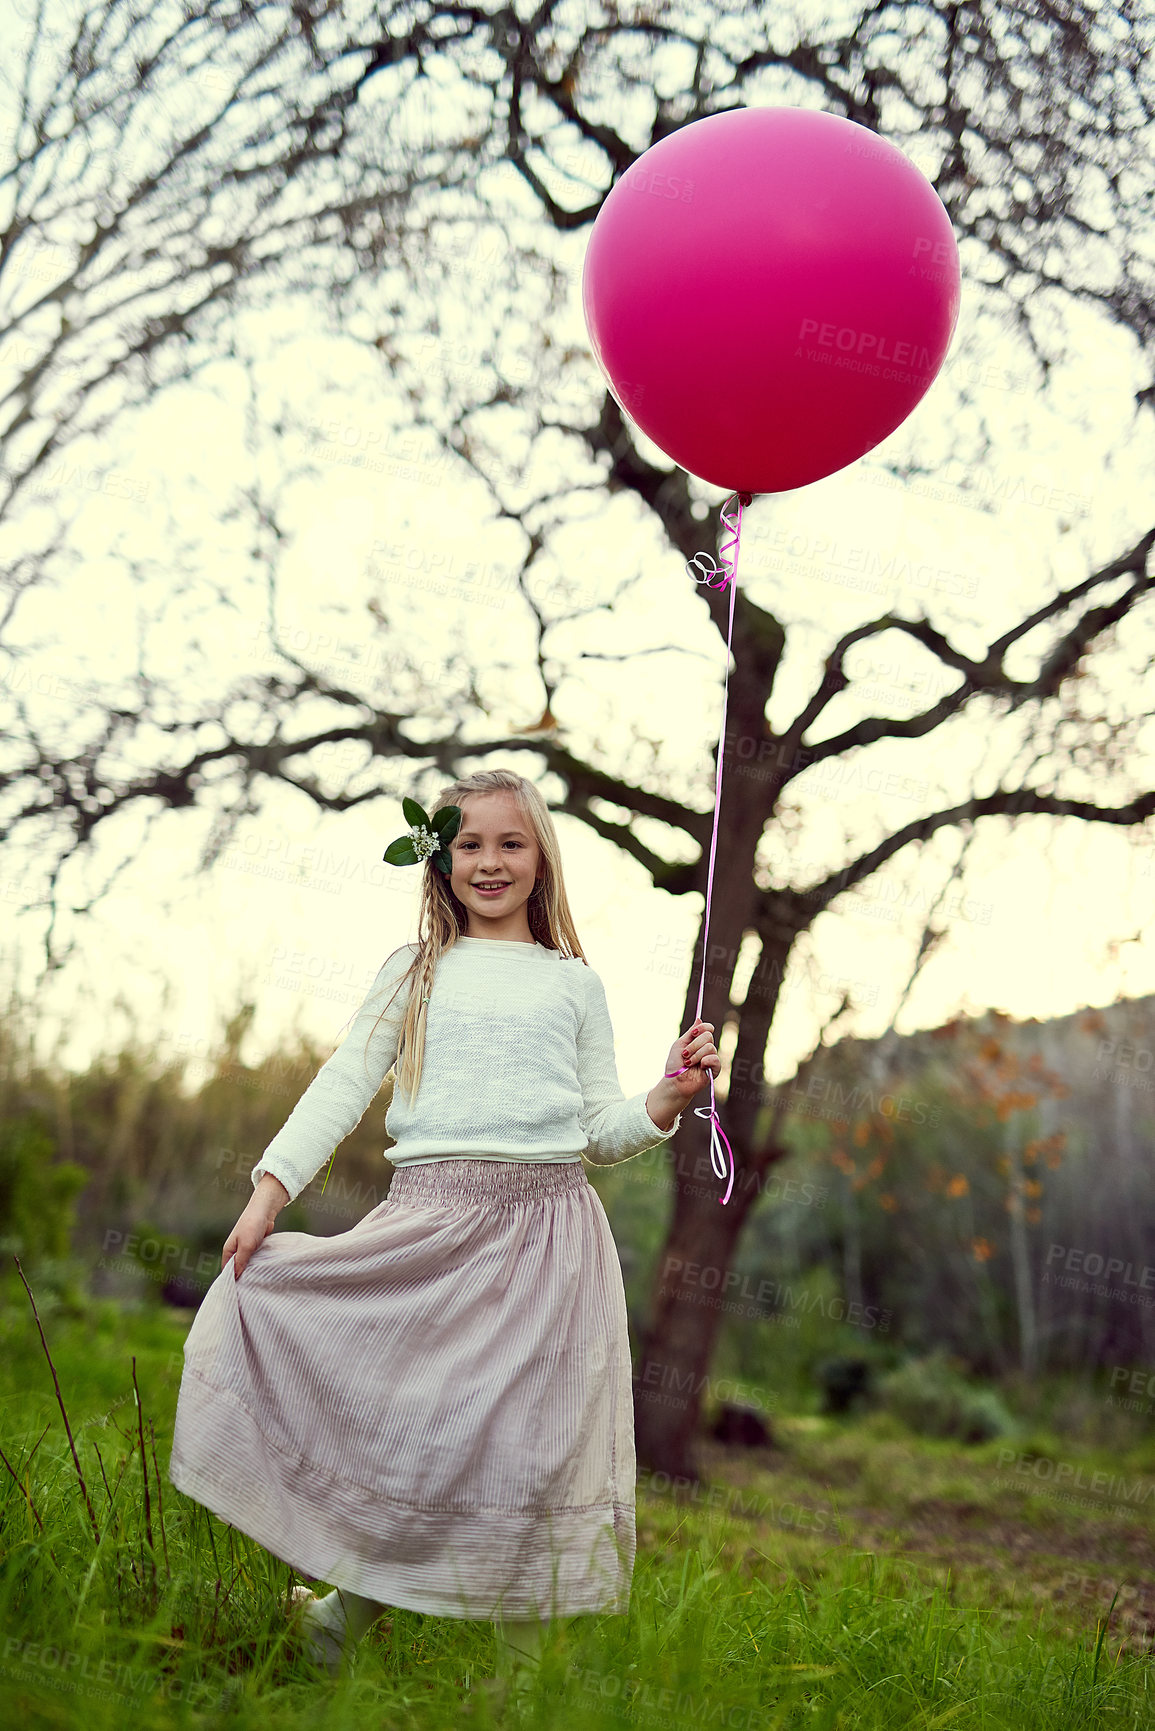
column 434, row 1409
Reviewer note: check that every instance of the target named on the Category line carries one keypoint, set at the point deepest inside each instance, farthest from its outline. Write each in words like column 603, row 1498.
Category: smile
column 490, row 889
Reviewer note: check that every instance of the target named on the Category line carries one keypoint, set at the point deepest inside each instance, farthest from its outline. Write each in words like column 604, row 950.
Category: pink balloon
column 770, row 292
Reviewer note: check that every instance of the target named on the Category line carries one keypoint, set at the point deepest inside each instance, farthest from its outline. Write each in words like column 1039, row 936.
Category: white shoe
column 322, row 1631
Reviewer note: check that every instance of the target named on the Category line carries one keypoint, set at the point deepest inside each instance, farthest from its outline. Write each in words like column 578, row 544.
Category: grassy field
column 851, row 1576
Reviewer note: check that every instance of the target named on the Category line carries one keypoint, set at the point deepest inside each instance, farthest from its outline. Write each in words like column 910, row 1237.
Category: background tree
column 998, row 1214
column 417, row 177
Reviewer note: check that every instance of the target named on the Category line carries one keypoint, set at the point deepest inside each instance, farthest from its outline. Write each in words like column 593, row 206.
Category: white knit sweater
column 519, row 1065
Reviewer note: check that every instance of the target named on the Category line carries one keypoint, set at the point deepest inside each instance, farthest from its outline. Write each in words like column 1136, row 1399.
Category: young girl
column 434, row 1409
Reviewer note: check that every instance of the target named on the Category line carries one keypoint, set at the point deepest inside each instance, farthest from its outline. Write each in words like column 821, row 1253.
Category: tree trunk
column 851, row 1246
column 694, row 1281
column 1020, row 1253
column 691, row 1287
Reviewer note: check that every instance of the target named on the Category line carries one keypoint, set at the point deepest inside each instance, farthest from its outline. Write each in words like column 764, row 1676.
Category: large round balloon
column 770, row 292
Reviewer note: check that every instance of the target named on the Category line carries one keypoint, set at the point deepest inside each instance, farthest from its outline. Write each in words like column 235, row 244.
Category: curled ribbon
column 703, row 569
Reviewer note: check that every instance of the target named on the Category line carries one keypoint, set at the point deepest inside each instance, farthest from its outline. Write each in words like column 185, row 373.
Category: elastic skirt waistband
column 493, row 1182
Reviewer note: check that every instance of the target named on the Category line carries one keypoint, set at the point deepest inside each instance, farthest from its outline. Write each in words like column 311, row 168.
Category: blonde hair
column 442, row 918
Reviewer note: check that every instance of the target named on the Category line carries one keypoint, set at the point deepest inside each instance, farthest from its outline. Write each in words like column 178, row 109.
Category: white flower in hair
column 426, row 838
column 425, row 841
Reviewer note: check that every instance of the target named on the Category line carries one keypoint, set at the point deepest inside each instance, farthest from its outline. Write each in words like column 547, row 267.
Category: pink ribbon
column 708, row 572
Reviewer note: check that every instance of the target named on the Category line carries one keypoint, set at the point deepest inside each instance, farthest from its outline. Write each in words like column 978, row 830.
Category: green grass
column 854, row 1576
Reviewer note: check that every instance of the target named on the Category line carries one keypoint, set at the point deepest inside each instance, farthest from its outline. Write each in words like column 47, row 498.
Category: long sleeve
column 617, row 1127
column 344, row 1087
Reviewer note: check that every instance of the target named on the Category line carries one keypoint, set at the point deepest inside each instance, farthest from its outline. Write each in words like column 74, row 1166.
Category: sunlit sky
column 300, row 910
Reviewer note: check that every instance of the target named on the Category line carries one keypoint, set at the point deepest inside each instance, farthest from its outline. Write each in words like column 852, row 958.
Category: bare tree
column 1037, row 117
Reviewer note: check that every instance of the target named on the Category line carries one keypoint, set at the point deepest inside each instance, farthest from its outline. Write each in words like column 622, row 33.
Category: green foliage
column 935, row 1180
column 895, row 1195
column 637, row 1201
column 845, row 1381
column 443, row 826
column 38, row 1211
column 37, row 1198
column 165, row 1616
column 179, row 1266
column 931, row 1397
column 778, row 1356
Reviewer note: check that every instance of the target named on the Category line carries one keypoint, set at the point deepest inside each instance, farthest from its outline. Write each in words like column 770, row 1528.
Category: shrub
column 38, row 1211
column 931, row 1397
column 179, row 1266
column 843, row 1381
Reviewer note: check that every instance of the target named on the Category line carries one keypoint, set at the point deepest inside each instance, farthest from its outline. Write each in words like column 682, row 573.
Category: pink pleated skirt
column 433, row 1409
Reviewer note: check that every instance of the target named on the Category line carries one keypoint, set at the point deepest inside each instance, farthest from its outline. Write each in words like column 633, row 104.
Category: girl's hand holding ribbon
column 692, row 1056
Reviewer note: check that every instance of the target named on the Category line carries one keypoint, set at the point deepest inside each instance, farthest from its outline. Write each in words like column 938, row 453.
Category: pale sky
column 301, row 910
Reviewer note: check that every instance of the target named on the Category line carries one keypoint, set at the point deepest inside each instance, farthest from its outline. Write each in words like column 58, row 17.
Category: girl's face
column 495, row 845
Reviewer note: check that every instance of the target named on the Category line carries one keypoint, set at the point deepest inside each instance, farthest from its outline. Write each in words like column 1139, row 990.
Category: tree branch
column 1007, row 802
column 978, row 676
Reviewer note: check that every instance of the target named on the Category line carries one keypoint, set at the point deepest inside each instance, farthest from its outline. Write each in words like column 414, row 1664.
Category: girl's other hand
column 695, row 1055
column 253, row 1227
